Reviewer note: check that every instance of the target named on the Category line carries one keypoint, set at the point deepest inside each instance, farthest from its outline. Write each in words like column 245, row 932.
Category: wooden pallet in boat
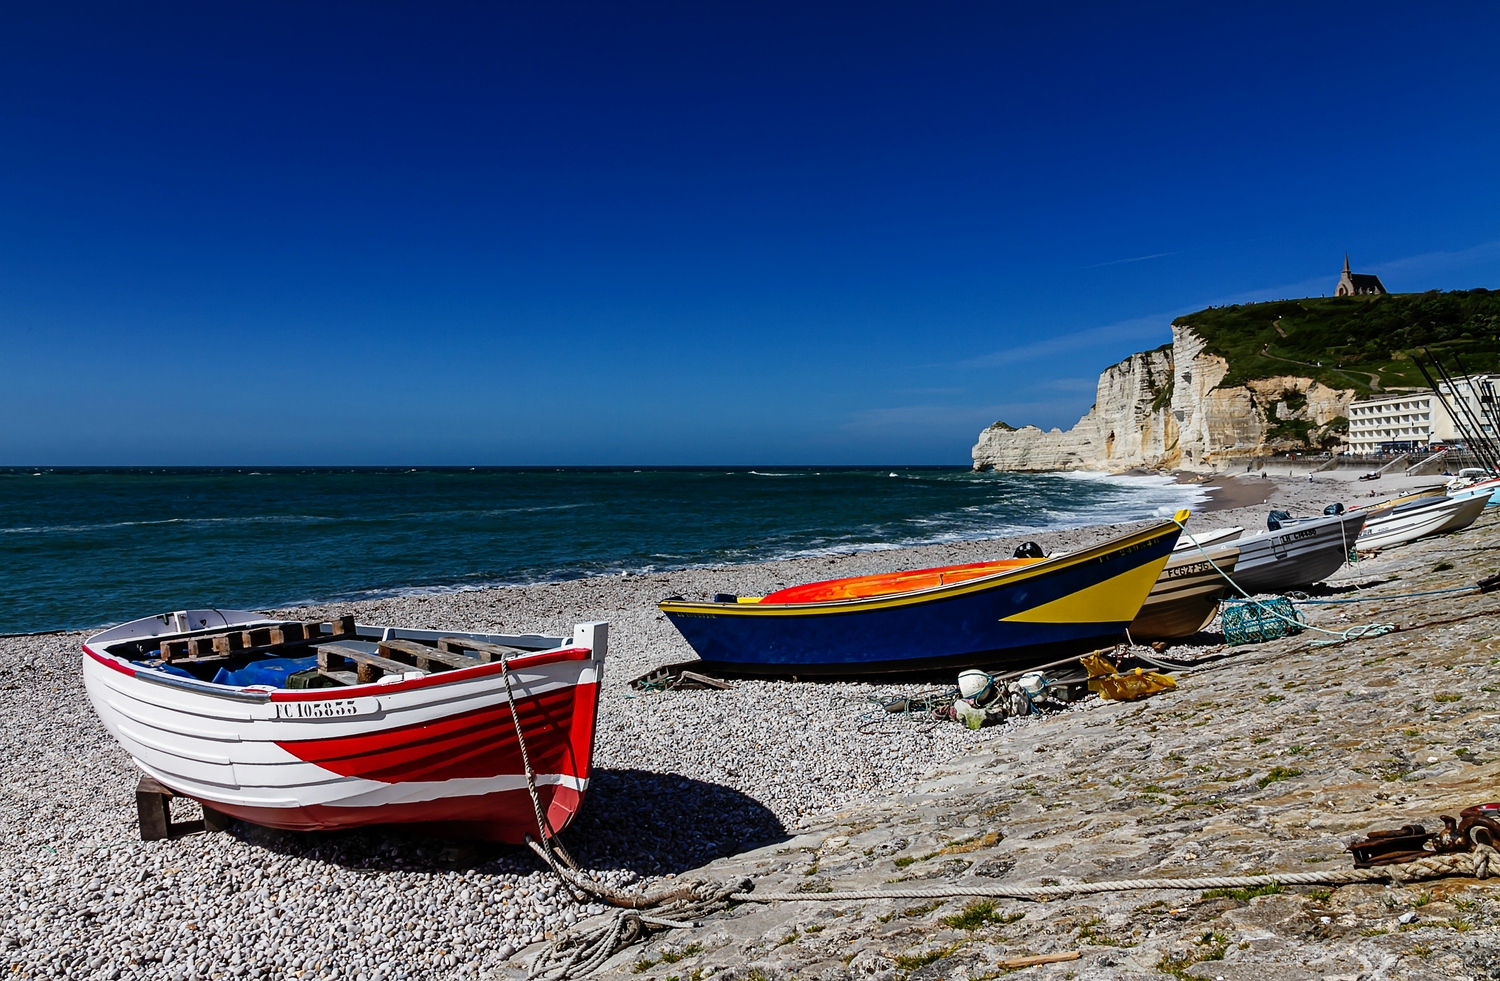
column 221, row 645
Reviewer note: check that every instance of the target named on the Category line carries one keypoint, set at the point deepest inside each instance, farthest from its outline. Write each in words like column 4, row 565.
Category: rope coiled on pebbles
column 582, row 951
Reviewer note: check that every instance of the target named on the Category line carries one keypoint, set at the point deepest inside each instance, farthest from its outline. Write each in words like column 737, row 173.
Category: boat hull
column 1297, row 555
column 1186, row 596
column 438, row 750
column 1406, row 523
column 1465, row 515
column 1054, row 606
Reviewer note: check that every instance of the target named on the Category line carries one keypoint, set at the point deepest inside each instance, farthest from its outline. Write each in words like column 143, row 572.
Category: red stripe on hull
column 481, row 743
column 506, row 816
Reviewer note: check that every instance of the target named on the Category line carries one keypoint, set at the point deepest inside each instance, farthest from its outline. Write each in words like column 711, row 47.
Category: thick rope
column 544, row 827
column 1352, row 633
column 1479, row 863
column 1305, row 600
column 583, row 951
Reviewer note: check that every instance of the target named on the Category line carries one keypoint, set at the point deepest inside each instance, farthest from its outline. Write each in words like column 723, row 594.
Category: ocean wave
column 106, row 525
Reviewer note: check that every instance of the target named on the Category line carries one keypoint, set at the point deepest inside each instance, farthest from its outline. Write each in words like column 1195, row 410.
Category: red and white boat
column 309, row 726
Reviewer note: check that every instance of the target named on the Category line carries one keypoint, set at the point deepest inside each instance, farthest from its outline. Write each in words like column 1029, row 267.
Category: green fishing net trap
column 1258, row 621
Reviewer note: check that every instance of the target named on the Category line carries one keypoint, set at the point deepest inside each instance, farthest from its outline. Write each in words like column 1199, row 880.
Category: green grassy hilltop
column 1361, row 342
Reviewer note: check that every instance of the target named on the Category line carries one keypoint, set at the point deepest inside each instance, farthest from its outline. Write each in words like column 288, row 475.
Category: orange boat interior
column 885, row 583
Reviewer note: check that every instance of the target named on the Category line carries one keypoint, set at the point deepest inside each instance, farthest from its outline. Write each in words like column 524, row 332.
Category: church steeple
column 1357, row 284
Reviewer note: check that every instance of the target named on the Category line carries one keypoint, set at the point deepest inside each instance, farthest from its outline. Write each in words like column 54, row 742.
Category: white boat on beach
column 1407, row 522
column 1468, row 477
column 1297, row 553
column 313, row 726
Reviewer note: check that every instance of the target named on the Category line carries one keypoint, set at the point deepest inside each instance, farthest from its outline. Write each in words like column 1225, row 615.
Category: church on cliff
column 1357, row 284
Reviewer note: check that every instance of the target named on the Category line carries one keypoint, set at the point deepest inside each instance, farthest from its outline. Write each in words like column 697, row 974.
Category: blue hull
column 965, row 625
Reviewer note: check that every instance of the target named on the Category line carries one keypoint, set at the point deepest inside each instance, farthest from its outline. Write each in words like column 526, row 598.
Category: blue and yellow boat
column 1004, row 614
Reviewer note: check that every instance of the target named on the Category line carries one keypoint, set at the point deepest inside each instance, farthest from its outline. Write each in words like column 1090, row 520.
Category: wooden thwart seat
column 333, row 658
column 393, row 656
column 482, row 649
column 426, row 658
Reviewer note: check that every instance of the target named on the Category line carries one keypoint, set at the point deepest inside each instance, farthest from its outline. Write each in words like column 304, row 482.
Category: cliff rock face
column 1164, row 408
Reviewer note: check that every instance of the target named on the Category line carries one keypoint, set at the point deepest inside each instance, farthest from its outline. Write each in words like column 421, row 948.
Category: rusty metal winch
column 1477, row 825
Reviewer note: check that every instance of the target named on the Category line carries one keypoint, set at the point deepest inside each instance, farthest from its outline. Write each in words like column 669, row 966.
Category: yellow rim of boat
column 1093, row 553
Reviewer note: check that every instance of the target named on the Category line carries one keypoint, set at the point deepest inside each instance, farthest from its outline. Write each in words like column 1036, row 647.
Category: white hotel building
column 1414, row 420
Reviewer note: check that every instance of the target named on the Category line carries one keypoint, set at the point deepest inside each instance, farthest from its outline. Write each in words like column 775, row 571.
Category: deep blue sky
column 686, row 233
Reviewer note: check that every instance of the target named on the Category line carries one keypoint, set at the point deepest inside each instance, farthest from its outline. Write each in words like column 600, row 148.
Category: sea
column 83, row 548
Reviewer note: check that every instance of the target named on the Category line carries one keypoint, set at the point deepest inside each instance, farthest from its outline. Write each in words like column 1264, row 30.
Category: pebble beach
column 753, row 780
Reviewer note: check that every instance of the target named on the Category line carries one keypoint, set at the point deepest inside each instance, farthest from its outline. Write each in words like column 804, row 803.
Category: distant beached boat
column 1489, row 488
column 1008, row 613
column 1469, row 477
column 310, row 726
column 1417, row 519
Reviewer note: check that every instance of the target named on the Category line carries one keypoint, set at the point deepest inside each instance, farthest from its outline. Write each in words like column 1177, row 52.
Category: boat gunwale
column 261, row 696
column 1047, row 566
column 1212, row 567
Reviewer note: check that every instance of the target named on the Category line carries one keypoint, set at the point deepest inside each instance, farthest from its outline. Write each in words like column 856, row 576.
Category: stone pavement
column 1270, row 761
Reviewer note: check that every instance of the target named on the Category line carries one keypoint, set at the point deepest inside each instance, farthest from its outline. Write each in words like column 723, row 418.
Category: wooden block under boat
column 424, row 657
column 368, row 667
column 483, row 649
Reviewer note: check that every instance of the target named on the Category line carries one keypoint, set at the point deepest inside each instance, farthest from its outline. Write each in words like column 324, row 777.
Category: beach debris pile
column 1476, row 828
column 984, row 700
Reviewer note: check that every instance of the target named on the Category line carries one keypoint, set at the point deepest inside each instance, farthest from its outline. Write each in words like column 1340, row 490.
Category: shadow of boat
column 658, row 823
column 646, row 822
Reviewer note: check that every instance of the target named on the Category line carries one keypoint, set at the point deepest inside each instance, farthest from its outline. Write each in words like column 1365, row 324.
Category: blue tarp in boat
column 172, row 669
column 271, row 671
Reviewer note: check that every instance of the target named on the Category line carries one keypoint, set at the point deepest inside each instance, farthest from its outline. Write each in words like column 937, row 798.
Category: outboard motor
column 1334, row 509
column 1029, row 550
column 1275, row 518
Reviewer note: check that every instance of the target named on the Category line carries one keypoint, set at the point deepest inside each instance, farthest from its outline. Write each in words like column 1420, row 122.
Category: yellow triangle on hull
column 1115, row 600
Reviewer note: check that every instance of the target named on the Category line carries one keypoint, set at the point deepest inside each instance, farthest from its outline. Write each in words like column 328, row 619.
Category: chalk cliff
column 1165, row 408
